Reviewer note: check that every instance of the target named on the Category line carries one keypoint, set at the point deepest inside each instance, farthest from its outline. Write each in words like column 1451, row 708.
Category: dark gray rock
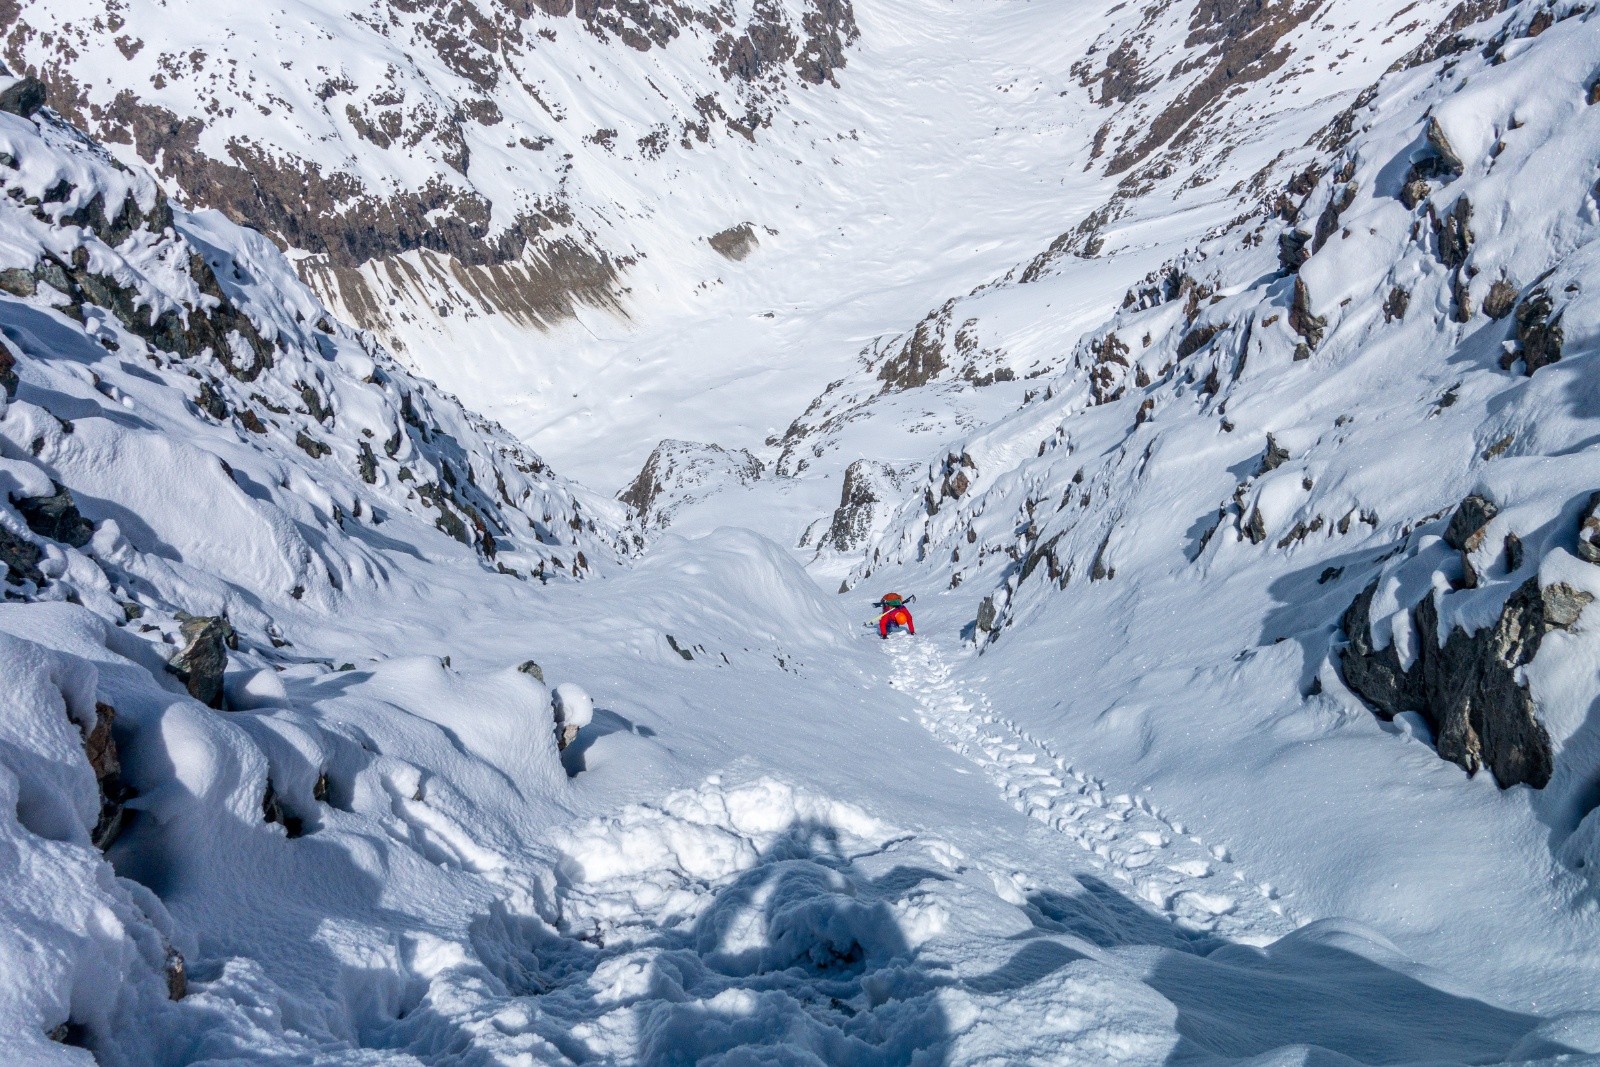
column 310, row 445
column 987, row 615
column 56, row 517
column 1454, row 233
column 530, row 667
column 177, row 975
column 8, row 371
column 1589, row 531
column 1293, row 249
column 736, row 242
column 858, row 501
column 204, row 659
column 1442, row 160
column 1372, row 673
column 1514, row 553
column 1274, row 457
column 23, row 97
column 1460, row 299
column 1196, row 339
column 210, row 401
column 1538, row 331
column 1396, row 304
column 1328, row 222
column 21, row 558
column 101, row 749
column 1301, row 320
column 367, row 464
column 1467, row 688
column 1483, row 712
column 1564, row 604
column 1501, row 299
column 1255, row 527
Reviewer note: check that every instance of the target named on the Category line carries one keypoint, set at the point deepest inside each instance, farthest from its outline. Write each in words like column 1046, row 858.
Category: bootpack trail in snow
column 1193, row 883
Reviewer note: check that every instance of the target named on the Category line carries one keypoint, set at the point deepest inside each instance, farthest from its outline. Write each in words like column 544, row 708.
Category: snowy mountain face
column 1217, row 377
column 1321, row 480
column 442, row 173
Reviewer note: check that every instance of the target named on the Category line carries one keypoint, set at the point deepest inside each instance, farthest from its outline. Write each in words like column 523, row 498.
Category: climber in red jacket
column 894, row 614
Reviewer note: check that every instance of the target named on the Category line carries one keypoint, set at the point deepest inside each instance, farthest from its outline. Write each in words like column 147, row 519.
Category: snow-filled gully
column 753, row 920
column 1193, row 882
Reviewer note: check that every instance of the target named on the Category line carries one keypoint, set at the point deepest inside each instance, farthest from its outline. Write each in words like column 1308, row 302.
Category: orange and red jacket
column 893, row 617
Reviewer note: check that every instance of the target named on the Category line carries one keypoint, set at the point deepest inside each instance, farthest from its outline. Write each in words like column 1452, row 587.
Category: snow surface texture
column 1113, row 805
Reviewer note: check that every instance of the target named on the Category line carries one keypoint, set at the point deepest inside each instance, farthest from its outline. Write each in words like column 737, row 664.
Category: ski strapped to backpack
column 890, row 603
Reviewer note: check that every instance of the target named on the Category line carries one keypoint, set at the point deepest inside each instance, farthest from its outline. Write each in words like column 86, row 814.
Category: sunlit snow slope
column 1218, row 378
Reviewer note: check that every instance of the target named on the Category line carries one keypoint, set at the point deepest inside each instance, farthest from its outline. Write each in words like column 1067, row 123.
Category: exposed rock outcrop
column 1467, row 688
column 280, row 180
column 1466, row 531
column 1454, row 233
column 22, row 96
column 868, row 485
column 21, row 558
column 8, row 371
column 1301, row 319
column 1589, row 532
column 736, row 242
column 988, row 615
column 177, row 973
column 1501, row 299
column 1440, row 159
column 204, row 658
column 101, row 749
column 1293, row 249
column 56, row 516
column 950, row 480
column 678, row 472
column 1538, row 331
column 1274, row 457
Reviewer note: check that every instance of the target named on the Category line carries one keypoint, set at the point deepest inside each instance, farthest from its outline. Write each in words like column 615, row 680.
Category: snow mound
column 574, row 707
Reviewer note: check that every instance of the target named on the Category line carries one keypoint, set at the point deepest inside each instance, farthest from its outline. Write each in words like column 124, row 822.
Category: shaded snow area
column 1222, row 383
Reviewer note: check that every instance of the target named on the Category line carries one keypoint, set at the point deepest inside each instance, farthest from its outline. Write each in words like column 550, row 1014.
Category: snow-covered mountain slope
column 285, row 773
column 198, row 468
column 554, row 212
column 458, row 176
column 1333, row 459
column 356, row 134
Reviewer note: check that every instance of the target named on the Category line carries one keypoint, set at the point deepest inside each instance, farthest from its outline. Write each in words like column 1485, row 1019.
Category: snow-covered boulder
column 574, row 709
